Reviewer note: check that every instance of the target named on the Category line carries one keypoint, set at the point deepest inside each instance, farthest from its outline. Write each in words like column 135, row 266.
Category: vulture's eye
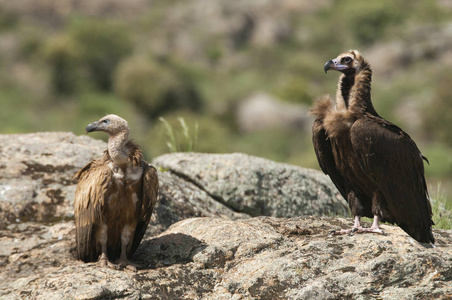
column 106, row 121
column 347, row 59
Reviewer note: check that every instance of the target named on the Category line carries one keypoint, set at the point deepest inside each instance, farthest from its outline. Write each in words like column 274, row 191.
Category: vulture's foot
column 344, row 231
column 126, row 264
column 371, row 230
column 356, row 230
column 104, row 262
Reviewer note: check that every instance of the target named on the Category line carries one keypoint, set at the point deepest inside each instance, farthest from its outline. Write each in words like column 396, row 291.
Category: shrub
column 368, row 21
column 295, row 89
column 101, row 45
column 8, row 19
column 439, row 113
column 154, row 87
column 62, row 55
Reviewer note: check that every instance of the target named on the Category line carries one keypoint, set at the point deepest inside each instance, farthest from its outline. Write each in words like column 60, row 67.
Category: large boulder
column 181, row 199
column 36, row 172
column 217, row 258
column 257, row 186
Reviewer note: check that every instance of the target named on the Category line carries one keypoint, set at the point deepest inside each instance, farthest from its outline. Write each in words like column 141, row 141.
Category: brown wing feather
column 147, row 201
column 94, row 181
column 322, row 144
column 323, row 151
column 392, row 160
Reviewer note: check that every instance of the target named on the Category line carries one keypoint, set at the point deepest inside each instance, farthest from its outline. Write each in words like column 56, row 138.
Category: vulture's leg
column 126, row 240
column 357, row 223
column 103, row 260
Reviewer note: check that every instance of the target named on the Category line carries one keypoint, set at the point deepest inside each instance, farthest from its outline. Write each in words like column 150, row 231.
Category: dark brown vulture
column 114, row 198
column 375, row 165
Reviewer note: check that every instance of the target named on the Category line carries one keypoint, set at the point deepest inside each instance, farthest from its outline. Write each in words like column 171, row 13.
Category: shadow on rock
column 167, row 250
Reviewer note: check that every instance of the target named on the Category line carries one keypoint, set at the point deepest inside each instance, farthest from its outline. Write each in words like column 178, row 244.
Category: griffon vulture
column 375, row 165
column 114, row 198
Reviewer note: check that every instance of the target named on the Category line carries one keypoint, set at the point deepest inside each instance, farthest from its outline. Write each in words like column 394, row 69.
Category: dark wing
column 323, row 151
column 394, row 163
column 90, row 196
column 150, row 188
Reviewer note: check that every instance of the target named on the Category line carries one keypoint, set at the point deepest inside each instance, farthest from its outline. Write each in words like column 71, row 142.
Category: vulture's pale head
column 111, row 124
column 349, row 63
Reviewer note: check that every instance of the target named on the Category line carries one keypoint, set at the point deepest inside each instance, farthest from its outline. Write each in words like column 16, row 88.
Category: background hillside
column 241, row 74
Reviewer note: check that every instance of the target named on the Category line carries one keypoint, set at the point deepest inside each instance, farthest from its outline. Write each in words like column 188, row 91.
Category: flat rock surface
column 217, row 258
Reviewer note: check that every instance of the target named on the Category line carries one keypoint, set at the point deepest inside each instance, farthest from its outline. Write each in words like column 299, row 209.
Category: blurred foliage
column 89, row 50
column 440, row 159
column 295, row 89
column 63, row 56
column 154, row 87
column 8, row 19
column 102, row 44
column 178, row 59
column 438, row 115
column 442, row 216
column 369, row 20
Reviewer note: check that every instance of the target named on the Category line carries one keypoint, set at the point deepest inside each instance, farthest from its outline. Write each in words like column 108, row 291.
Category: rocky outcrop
column 258, row 186
column 204, row 241
column 36, row 172
column 181, row 199
column 217, row 258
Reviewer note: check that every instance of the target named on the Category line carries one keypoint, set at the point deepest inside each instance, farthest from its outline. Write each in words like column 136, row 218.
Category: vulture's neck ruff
column 355, row 90
column 117, row 147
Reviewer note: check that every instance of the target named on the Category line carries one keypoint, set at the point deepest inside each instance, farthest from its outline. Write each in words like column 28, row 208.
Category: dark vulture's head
column 111, row 124
column 349, row 63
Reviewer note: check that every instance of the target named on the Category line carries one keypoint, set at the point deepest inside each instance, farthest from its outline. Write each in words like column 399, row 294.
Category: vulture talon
column 335, row 232
column 131, row 268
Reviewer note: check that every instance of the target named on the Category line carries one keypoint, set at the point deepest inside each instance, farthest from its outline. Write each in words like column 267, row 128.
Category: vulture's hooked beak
column 334, row 65
column 328, row 66
column 92, row 127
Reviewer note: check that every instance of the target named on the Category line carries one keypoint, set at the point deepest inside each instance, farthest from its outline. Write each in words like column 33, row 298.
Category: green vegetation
column 155, row 88
column 68, row 66
column 188, row 143
column 442, row 216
